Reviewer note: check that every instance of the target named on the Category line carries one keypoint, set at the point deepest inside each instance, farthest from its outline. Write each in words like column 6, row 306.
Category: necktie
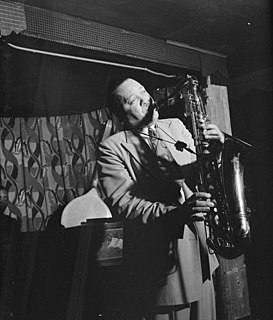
column 153, row 139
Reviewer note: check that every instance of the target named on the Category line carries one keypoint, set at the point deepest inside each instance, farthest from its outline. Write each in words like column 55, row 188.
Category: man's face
column 3, row 200
column 136, row 104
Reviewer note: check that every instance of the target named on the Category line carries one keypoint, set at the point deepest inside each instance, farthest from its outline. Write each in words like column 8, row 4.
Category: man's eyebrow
column 132, row 95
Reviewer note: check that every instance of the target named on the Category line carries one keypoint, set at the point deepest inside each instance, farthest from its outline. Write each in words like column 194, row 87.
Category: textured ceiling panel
column 62, row 28
column 223, row 26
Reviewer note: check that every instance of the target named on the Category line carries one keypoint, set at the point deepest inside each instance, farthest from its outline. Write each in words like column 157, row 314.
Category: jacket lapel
column 144, row 156
column 141, row 152
column 166, row 133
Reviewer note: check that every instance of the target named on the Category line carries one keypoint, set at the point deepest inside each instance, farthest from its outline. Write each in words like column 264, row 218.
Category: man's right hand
column 197, row 206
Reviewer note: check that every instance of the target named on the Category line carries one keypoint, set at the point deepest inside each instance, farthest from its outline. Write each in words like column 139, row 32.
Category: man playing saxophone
column 151, row 185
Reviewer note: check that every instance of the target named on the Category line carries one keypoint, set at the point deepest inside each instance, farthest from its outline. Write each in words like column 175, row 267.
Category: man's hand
column 212, row 132
column 197, row 206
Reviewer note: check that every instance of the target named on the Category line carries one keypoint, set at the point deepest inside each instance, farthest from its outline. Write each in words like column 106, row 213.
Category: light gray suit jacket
column 167, row 251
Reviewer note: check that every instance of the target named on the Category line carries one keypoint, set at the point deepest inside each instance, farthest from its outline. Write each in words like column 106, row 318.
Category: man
column 150, row 185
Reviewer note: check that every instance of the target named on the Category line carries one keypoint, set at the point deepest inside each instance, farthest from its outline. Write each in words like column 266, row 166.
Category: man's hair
column 114, row 101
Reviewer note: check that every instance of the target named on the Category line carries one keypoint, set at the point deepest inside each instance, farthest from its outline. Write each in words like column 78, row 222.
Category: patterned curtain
column 45, row 162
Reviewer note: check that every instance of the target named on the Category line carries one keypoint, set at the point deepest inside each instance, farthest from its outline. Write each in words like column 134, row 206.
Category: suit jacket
column 167, row 255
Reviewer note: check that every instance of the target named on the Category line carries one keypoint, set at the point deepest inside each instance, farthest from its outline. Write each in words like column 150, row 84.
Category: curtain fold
column 45, row 162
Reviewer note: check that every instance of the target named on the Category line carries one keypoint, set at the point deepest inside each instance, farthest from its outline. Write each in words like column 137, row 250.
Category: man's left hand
column 212, row 132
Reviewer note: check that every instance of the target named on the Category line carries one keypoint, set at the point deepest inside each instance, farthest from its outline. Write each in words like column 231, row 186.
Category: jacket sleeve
column 123, row 193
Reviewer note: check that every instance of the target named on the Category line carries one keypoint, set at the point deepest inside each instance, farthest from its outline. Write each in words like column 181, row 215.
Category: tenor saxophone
column 228, row 223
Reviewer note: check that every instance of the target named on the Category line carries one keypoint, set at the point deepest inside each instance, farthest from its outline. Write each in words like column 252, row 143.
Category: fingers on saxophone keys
column 203, row 205
column 204, row 209
column 199, row 215
column 202, row 195
column 200, row 209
